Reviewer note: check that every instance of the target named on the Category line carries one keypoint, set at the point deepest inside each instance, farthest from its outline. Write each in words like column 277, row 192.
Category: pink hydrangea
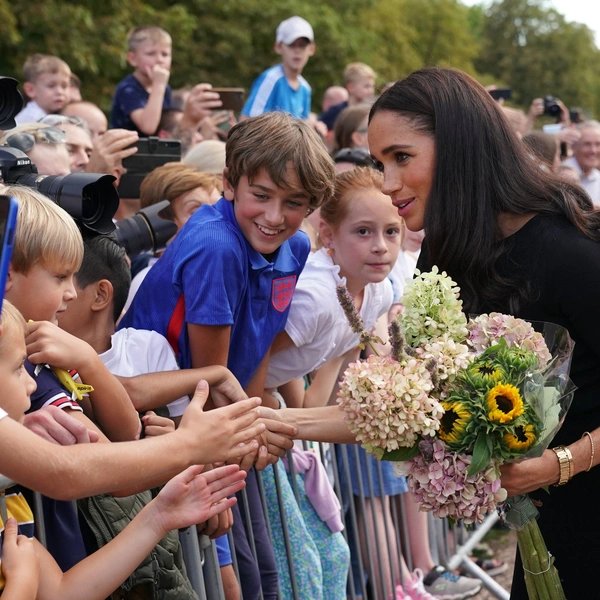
column 439, row 482
column 387, row 405
column 486, row 330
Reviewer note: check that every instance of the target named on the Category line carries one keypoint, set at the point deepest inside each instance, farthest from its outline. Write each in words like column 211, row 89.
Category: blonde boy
column 141, row 97
column 47, row 252
column 359, row 80
column 46, row 82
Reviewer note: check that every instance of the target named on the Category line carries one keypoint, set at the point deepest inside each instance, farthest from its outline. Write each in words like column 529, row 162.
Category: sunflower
column 504, row 403
column 486, row 371
column 521, row 437
column 453, row 421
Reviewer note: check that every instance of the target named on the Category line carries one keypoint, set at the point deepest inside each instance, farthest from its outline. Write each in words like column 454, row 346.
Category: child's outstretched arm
column 20, row 565
column 112, row 409
column 225, row 434
column 189, row 498
column 153, row 390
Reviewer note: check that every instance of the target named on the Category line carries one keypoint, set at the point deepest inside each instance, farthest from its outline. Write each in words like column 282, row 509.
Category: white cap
column 293, row 29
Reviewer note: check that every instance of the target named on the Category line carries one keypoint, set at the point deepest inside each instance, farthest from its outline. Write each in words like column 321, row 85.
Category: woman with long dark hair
column 517, row 240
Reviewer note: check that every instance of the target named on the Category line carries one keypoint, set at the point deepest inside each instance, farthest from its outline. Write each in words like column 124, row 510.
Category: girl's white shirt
column 317, row 324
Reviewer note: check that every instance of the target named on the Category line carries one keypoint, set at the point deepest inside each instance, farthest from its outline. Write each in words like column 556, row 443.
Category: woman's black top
column 562, row 268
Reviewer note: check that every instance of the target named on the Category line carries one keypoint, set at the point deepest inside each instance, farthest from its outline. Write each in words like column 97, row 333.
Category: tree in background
column 534, row 50
column 517, row 43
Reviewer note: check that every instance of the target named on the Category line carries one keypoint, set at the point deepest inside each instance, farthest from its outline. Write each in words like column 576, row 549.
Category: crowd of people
column 180, row 347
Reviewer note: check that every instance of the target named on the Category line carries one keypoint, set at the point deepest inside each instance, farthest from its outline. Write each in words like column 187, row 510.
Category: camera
column 551, row 107
column 11, row 102
column 90, row 198
column 145, row 231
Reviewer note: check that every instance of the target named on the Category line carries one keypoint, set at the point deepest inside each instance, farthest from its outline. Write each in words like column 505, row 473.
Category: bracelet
column 589, row 435
column 565, row 462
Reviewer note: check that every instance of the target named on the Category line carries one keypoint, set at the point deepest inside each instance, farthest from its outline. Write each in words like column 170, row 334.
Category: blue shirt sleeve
column 247, row 110
column 211, row 271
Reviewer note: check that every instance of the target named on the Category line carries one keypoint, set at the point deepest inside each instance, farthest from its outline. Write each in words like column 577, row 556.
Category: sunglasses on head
column 26, row 140
column 57, row 120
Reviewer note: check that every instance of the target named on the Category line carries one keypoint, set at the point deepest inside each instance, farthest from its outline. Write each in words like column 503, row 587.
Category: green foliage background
column 514, row 43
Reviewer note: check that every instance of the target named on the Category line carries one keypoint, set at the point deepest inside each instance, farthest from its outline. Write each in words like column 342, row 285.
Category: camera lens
column 89, row 198
column 11, row 102
column 146, row 231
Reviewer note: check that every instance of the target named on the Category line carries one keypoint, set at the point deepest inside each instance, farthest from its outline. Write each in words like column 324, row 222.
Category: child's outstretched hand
column 193, row 496
column 20, row 564
column 156, row 425
column 223, row 434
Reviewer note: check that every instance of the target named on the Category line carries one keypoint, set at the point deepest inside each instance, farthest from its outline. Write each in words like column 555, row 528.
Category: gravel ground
column 503, row 543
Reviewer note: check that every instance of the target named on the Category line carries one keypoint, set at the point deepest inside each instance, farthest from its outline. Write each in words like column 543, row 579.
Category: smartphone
column 152, row 152
column 232, row 98
column 553, row 128
column 8, row 223
column 505, row 93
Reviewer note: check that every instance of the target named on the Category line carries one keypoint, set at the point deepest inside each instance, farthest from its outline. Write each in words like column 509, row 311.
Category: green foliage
column 482, row 454
column 534, row 50
column 520, row 43
column 401, row 453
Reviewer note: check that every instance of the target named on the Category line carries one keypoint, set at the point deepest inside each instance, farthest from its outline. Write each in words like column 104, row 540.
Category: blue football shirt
column 211, row 275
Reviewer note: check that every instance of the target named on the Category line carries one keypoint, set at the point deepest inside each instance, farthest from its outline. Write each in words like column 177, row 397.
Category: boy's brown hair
column 170, row 181
column 357, row 70
column 274, row 140
column 145, row 33
column 38, row 64
column 45, row 233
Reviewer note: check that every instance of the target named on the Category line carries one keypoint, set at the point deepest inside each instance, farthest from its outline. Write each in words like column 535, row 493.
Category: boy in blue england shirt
column 222, row 289
column 141, row 97
column 282, row 87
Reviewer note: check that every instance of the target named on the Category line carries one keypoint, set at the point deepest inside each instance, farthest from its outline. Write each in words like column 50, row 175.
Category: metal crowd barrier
column 450, row 547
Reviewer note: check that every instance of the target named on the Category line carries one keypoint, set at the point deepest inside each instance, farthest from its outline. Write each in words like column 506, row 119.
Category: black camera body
column 551, row 107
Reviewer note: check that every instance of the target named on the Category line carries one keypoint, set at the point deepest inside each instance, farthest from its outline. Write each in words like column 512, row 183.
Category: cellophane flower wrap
column 458, row 398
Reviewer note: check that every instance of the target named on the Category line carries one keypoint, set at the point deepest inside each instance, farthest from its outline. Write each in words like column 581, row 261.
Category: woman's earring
column 330, row 249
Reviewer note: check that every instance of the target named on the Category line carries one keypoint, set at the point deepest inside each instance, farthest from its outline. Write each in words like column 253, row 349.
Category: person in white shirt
column 46, row 84
column 586, row 159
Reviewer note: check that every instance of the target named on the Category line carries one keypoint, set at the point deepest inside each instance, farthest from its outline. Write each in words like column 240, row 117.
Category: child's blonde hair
column 38, row 64
column 146, row 33
column 347, row 183
column 357, row 70
column 11, row 319
column 274, row 140
column 45, row 233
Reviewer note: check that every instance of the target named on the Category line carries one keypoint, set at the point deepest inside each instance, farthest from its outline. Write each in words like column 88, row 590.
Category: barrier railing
column 375, row 527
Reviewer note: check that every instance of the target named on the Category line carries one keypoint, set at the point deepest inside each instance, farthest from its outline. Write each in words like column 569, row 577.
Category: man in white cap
column 282, row 87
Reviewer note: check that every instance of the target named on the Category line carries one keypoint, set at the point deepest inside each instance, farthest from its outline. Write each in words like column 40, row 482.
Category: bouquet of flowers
column 456, row 399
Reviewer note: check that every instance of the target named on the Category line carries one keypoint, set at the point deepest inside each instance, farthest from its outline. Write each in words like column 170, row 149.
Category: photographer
column 46, row 147
column 79, row 141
